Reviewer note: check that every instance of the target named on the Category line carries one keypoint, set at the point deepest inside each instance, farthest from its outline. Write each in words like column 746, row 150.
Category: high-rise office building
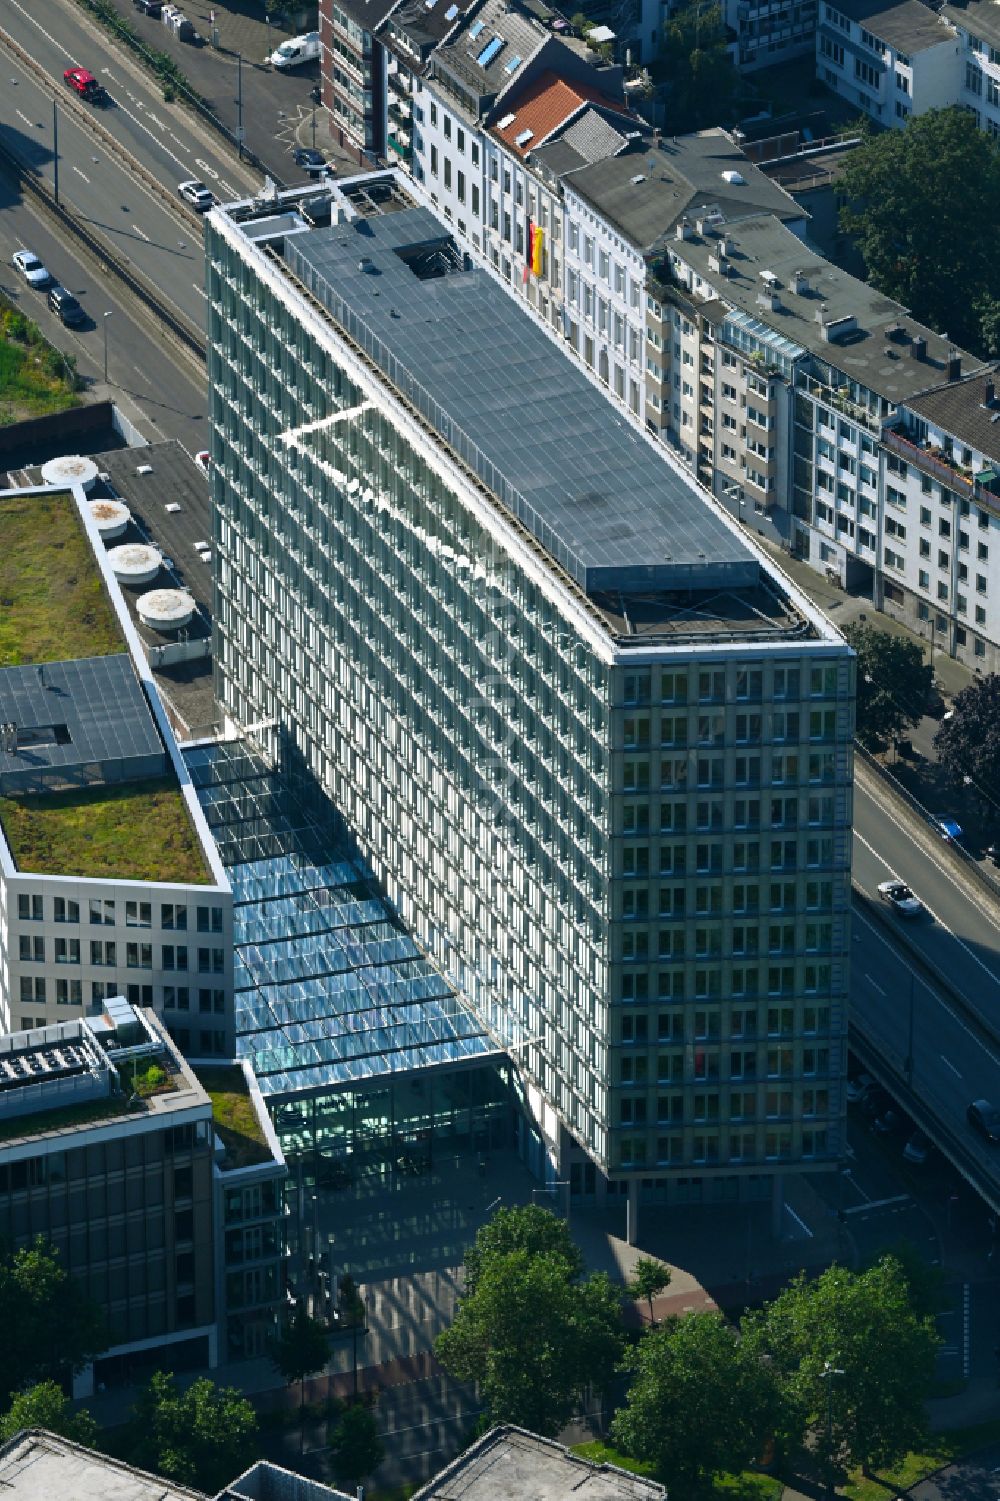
column 596, row 748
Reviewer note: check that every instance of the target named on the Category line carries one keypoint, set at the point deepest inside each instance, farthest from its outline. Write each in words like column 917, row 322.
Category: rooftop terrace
column 53, row 605
column 133, row 831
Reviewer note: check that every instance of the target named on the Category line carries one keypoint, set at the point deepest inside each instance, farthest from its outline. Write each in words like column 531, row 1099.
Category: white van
column 298, row 49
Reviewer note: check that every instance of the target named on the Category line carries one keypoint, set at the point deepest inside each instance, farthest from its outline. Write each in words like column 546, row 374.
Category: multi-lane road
column 933, row 979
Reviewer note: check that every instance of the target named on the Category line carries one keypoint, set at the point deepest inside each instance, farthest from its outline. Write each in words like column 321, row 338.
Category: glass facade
column 637, row 874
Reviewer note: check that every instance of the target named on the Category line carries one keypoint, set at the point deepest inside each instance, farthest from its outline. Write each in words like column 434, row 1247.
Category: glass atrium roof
column 330, row 989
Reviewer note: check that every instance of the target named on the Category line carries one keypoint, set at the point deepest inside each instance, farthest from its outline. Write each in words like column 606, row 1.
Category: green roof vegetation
column 235, row 1117
column 35, row 378
column 64, row 1119
column 130, row 831
column 53, row 607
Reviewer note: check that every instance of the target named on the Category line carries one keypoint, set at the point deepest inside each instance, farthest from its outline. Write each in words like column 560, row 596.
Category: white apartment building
column 978, row 26
column 110, row 882
column 892, row 60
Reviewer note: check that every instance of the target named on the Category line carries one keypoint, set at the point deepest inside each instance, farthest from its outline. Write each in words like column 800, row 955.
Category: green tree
column 649, row 1278
column 701, row 1401
column 534, row 1338
column 47, row 1406
column 51, row 1327
column 526, row 1227
column 968, row 744
column 357, row 1446
column 907, row 207
column 695, row 67
column 864, row 1325
column 301, row 1349
column 893, row 684
column 202, row 1436
column 925, row 1281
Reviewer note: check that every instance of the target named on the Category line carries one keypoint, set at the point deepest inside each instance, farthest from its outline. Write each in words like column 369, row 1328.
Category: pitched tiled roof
column 594, row 137
column 542, row 106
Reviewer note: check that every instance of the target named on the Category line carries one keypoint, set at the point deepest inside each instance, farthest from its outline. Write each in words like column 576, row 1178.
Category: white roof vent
column 769, row 278
column 637, row 179
column 135, row 564
column 507, row 120
column 734, row 178
column 73, row 469
column 523, row 137
column 111, row 517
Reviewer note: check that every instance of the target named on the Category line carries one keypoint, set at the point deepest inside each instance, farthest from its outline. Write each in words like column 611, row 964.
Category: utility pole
column 55, row 149
column 239, row 104
column 827, row 1374
column 908, row 1064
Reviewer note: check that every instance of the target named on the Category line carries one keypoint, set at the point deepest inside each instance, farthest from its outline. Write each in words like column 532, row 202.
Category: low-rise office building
column 109, row 879
column 168, row 1216
column 891, row 58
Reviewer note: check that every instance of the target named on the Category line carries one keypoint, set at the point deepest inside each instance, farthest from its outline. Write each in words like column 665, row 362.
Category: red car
column 85, row 84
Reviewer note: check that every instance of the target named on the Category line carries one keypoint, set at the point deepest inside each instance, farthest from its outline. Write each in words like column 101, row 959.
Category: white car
column 31, row 268
column 196, row 193
column 900, row 898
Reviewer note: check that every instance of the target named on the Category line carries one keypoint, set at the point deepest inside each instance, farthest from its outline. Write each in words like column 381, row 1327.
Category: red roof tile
column 543, row 105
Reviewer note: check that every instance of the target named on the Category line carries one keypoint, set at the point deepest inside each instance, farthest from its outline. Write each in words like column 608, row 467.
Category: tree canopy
column 202, row 1436
column 701, row 1401
column 357, row 1446
column 47, row 1406
column 968, row 744
column 649, row 1277
column 893, row 684
column 907, row 205
column 864, row 1325
column 525, row 1227
column 51, row 1326
column 301, row 1349
column 534, row 1336
column 695, row 67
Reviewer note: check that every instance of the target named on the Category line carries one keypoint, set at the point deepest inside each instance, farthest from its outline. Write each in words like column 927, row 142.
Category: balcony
column 838, row 398
column 935, row 462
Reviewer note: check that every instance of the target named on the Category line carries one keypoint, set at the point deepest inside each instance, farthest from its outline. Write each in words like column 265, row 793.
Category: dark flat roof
column 906, row 25
column 980, row 17
column 547, row 443
column 72, row 717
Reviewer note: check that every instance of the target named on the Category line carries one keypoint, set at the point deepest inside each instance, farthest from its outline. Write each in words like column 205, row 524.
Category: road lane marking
column 141, row 233
column 76, row 169
column 973, row 896
column 874, row 984
column 200, row 289
column 22, row 116
column 49, row 37
column 204, row 166
column 948, row 1064
column 228, row 188
column 880, row 935
column 800, row 1222
column 940, row 921
column 878, row 1204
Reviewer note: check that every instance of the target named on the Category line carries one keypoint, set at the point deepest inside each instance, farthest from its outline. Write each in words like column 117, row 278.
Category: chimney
column 989, row 394
column 684, row 228
column 800, row 283
column 918, row 348
column 954, row 366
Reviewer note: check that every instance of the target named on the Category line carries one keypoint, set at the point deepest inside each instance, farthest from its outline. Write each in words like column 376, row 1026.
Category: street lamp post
column 827, row 1374
column 104, row 325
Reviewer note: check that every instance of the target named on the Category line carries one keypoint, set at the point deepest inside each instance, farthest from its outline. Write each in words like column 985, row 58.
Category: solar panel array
column 330, row 990
column 87, row 715
column 594, row 493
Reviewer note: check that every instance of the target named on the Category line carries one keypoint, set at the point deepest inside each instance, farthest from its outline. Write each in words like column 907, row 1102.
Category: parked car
column 296, row 51
column 900, row 898
column 887, row 1122
column 200, row 198
column 66, row 305
column 858, row 1088
column 31, row 268
column 86, row 85
column 149, row 7
column 984, row 1117
column 311, row 161
column 948, row 828
column 917, row 1149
